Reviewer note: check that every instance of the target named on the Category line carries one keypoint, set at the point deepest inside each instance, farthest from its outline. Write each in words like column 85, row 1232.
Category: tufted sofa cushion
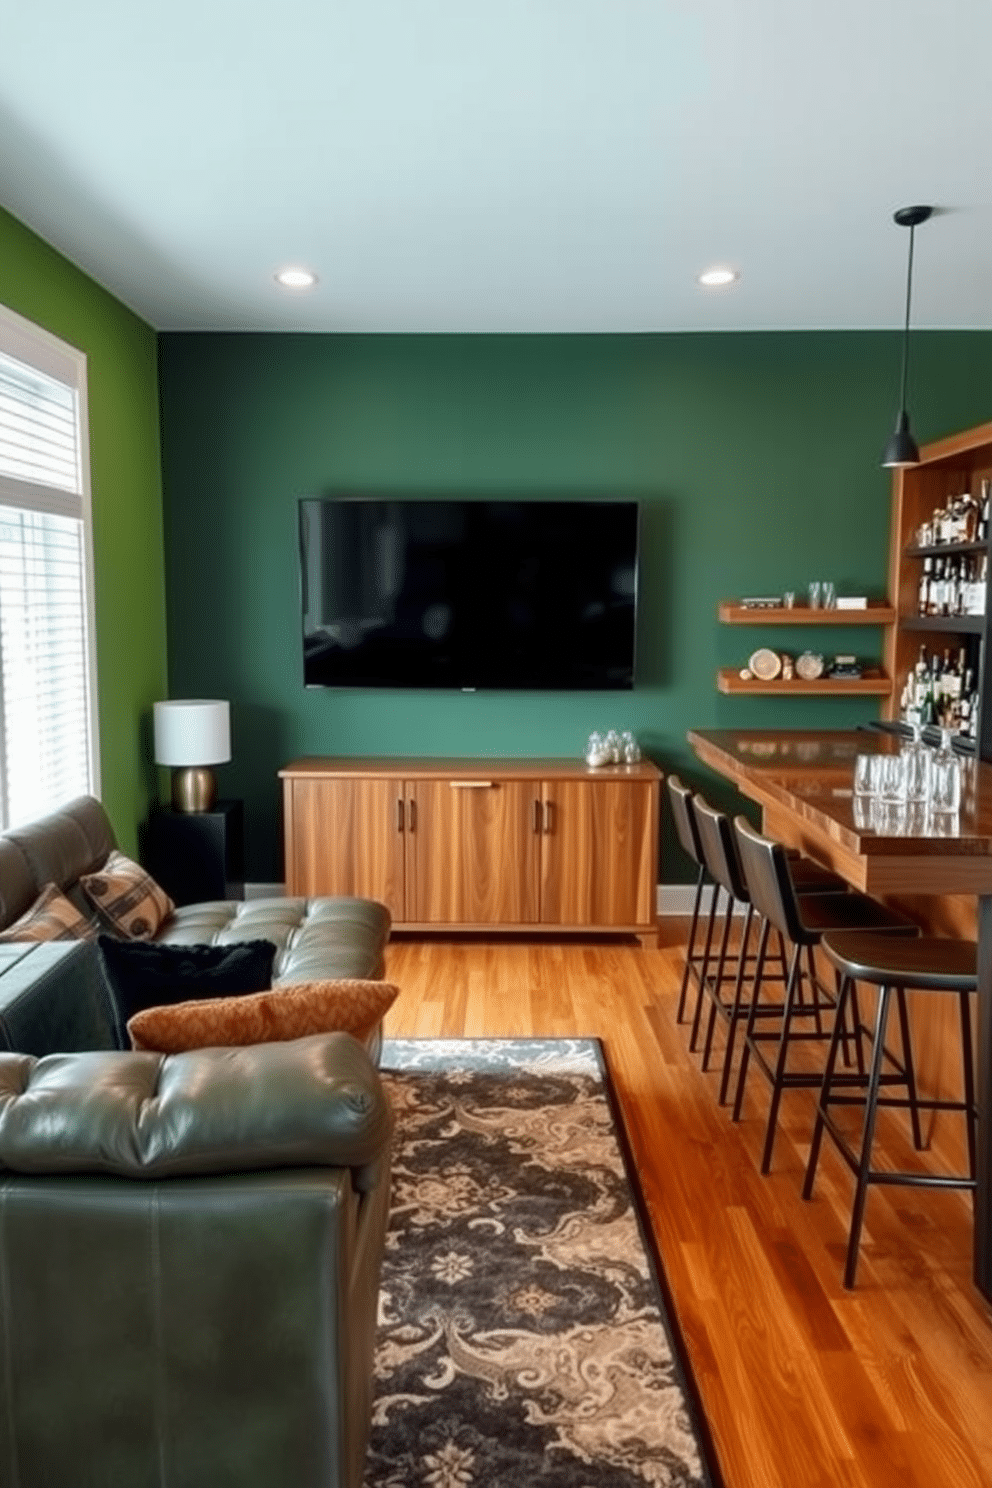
column 315, row 939
column 314, row 1102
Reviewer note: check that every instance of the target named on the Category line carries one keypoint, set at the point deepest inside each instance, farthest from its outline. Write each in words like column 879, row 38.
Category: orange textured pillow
column 128, row 898
column 51, row 917
column 288, row 1012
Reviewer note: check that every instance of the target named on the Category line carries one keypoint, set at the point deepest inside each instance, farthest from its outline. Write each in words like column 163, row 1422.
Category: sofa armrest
column 313, row 1102
column 53, row 995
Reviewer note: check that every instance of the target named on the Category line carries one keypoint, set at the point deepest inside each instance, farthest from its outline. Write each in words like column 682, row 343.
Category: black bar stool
column 680, row 801
column 802, row 921
column 894, row 965
column 722, row 860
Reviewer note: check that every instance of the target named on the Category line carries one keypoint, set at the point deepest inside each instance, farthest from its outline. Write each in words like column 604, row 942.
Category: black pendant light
column 901, row 449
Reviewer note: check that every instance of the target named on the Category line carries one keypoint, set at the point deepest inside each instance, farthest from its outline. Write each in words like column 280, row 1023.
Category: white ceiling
column 527, row 165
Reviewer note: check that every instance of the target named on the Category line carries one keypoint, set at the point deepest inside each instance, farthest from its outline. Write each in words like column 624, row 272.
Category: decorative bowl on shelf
column 765, row 664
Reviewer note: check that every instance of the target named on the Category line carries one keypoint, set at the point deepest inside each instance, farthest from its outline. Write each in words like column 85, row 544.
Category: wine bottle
column 981, row 586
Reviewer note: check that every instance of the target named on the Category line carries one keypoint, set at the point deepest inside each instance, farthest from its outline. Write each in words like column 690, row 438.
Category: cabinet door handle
column 471, row 784
column 412, row 806
column 399, row 814
column 537, row 816
column 549, row 807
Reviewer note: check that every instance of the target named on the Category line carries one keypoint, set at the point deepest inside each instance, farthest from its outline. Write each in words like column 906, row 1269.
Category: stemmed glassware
column 945, row 777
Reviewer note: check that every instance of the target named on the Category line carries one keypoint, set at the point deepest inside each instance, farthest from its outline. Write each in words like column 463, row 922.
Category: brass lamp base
column 194, row 788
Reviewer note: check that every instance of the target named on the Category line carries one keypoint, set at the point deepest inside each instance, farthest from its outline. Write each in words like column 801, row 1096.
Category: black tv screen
column 468, row 593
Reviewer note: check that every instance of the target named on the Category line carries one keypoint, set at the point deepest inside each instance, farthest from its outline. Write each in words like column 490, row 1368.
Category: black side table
column 197, row 855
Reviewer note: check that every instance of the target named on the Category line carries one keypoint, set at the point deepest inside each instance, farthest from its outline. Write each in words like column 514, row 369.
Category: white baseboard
column 264, row 890
column 673, row 899
column 678, row 899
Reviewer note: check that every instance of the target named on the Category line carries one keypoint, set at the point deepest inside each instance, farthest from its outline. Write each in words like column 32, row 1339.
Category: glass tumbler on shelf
column 828, row 594
column 814, row 594
column 945, row 777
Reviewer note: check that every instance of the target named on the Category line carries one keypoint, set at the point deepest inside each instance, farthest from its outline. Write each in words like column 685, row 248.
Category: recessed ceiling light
column 296, row 278
column 718, row 276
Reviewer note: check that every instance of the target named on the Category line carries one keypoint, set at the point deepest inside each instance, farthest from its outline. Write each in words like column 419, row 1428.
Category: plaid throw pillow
column 128, row 898
column 51, row 917
column 291, row 1011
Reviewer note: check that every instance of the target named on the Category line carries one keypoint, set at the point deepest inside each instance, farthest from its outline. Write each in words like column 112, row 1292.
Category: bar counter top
column 804, row 781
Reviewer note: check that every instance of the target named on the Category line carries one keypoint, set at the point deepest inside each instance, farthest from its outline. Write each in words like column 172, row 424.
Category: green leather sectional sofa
column 190, row 1245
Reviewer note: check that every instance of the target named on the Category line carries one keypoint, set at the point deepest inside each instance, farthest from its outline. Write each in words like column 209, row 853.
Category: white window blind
column 47, row 674
column 38, row 427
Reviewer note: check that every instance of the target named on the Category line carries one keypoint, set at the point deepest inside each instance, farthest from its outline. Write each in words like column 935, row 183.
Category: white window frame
column 32, row 344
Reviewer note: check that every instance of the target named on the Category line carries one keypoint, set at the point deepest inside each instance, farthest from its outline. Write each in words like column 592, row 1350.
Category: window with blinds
column 48, row 748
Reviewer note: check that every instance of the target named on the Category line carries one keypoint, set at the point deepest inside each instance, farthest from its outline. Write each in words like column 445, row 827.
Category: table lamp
column 192, row 735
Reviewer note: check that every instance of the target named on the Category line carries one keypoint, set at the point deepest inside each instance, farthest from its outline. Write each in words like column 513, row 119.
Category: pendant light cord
column 905, row 336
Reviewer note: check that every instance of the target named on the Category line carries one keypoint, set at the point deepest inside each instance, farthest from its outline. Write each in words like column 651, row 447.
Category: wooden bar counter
column 802, row 780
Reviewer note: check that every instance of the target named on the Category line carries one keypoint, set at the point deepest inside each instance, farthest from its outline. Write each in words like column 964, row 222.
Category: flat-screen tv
column 468, row 593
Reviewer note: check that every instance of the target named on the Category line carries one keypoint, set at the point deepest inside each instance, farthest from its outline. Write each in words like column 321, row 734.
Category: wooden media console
column 478, row 844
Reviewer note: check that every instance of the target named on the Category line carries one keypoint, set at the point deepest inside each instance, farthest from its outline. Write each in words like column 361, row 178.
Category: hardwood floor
column 803, row 1385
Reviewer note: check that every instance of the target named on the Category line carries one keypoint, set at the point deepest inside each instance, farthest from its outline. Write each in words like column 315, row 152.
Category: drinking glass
column 918, row 761
column 945, row 777
column 865, row 811
column 944, row 824
column 828, row 592
column 890, row 818
column 919, row 822
column 814, row 595
column 892, row 782
column 630, row 749
column 867, row 774
column 789, row 598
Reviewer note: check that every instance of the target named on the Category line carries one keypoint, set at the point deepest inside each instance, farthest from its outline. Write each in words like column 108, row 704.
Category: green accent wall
column 125, row 463
column 755, row 457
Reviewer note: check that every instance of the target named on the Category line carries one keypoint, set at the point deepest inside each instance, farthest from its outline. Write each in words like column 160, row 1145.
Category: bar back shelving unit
column 947, row 468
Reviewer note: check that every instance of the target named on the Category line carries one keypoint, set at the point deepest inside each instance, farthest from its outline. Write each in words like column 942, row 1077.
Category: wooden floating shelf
column 732, row 612
column 942, row 550
column 961, row 624
column 874, row 684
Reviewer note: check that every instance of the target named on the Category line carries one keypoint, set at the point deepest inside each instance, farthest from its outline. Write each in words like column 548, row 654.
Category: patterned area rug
column 522, row 1334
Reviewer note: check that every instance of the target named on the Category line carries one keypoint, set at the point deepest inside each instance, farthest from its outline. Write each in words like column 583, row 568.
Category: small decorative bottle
column 630, row 748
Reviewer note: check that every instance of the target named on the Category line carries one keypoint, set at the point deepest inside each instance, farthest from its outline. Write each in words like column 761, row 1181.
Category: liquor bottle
column 970, row 519
column 911, row 701
column 917, row 685
column 967, row 709
column 938, row 520
column 970, row 598
column 982, row 533
column 926, row 689
column 980, row 588
column 943, row 687
column 955, row 520
column 953, row 687
column 933, row 593
column 926, row 579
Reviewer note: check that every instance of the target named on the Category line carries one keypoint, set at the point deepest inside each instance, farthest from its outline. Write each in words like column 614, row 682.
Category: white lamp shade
column 196, row 731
